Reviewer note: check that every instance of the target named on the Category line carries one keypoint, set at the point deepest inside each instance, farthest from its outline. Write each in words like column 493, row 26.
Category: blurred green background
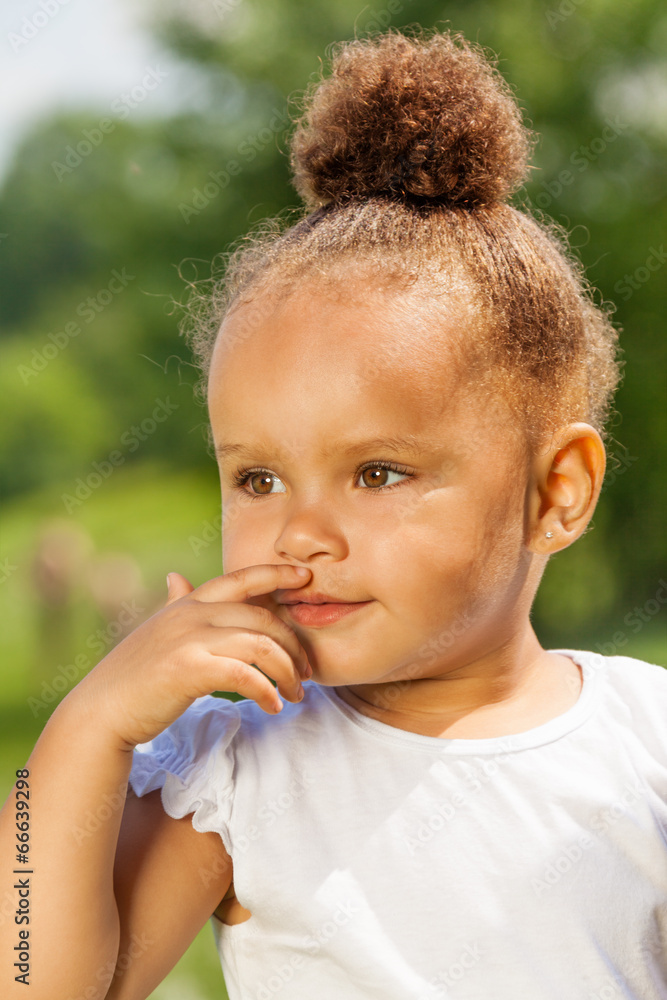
column 103, row 216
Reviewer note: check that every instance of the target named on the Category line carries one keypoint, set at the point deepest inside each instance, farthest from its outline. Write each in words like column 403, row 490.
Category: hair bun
column 427, row 118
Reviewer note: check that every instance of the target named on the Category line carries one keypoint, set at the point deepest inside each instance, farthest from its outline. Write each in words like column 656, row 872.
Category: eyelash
column 241, row 476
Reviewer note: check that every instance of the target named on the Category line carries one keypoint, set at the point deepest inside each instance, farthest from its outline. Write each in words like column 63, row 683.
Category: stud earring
column 549, row 534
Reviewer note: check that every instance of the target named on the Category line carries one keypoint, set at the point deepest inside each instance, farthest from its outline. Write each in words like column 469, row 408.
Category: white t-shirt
column 380, row 864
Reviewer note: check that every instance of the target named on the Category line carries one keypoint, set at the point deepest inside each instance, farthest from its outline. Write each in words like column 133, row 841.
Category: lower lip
column 322, row 614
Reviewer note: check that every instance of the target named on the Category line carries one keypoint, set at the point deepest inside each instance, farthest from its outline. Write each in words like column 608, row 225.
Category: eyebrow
column 393, row 444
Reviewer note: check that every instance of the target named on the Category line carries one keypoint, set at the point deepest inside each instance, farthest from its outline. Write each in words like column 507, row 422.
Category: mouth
column 310, row 597
column 322, row 612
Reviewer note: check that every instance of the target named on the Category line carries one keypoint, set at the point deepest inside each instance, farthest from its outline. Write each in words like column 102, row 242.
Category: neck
column 509, row 689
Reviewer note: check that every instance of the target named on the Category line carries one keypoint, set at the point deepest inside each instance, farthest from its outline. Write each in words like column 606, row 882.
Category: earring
column 549, row 534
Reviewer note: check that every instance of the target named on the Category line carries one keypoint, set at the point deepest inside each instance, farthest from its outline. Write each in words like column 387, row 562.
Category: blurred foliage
column 86, row 355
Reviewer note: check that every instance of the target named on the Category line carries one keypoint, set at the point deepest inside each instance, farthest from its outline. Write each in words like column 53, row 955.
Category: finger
column 252, row 581
column 260, row 619
column 261, row 650
column 246, row 680
column 177, row 587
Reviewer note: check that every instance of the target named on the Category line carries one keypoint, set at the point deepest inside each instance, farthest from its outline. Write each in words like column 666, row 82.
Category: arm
column 93, row 883
column 103, row 874
column 151, row 890
column 71, row 768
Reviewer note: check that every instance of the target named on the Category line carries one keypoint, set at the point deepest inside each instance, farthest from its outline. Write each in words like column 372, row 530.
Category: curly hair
column 405, row 157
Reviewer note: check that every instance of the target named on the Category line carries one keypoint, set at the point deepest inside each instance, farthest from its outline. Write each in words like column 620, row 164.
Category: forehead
column 312, row 374
column 339, row 345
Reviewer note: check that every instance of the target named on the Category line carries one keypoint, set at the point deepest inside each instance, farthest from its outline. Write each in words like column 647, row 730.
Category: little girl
column 408, row 390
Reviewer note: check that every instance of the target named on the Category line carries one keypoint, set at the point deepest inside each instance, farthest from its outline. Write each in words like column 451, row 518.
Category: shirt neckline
column 547, row 732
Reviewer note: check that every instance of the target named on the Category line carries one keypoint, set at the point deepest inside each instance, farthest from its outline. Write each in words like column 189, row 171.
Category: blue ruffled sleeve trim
column 193, row 762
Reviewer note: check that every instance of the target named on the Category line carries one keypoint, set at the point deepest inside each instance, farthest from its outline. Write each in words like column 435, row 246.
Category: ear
column 565, row 486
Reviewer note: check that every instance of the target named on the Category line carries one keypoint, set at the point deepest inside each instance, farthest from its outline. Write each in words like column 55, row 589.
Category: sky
column 79, row 54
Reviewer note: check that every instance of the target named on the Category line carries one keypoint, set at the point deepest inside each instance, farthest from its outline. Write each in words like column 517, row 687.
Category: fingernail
column 308, row 671
column 277, row 704
column 300, row 692
column 302, row 571
column 168, row 575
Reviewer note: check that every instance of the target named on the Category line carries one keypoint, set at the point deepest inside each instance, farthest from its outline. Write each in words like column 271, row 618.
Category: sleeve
column 193, row 762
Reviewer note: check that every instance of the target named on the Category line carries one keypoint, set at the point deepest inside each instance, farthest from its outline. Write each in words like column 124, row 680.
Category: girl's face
column 352, row 449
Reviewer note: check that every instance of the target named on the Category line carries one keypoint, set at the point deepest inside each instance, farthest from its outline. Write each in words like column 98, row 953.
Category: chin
column 330, row 676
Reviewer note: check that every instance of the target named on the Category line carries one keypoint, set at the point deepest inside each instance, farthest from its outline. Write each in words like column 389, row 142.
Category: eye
column 376, row 481
column 260, row 480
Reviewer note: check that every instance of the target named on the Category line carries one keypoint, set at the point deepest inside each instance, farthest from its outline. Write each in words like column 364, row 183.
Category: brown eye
column 375, row 476
column 261, row 483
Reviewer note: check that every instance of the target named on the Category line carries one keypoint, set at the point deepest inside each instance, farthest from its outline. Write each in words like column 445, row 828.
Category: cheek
column 446, row 546
column 502, row 556
column 422, row 551
column 444, row 523
column 242, row 547
column 506, row 560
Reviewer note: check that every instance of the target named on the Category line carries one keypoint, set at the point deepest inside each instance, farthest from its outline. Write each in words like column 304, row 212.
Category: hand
column 205, row 639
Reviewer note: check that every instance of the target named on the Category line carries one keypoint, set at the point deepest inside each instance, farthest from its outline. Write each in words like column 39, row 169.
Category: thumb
column 177, row 586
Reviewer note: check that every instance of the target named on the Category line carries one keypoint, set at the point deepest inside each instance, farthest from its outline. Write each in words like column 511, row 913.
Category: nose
column 311, row 532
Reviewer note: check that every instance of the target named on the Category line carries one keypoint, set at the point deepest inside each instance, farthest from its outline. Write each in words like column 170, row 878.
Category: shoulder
column 634, row 693
column 636, row 678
